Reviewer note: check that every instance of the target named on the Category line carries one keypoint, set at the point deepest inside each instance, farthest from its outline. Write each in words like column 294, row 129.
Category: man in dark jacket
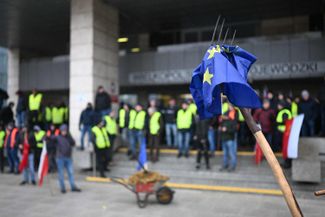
column 85, row 124
column 307, row 106
column 102, row 102
column 64, row 144
column 7, row 115
column 21, row 109
column 201, row 140
column 170, row 114
column 266, row 117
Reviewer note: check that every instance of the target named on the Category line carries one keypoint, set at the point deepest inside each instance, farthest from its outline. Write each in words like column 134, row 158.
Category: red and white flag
column 290, row 138
column 43, row 165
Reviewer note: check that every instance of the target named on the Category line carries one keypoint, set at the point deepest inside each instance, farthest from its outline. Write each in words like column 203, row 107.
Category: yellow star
column 207, row 76
column 212, row 51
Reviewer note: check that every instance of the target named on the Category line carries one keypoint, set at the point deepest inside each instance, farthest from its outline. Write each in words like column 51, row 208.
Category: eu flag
column 223, row 69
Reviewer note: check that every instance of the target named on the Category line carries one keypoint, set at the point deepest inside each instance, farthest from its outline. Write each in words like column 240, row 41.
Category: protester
column 85, row 124
column 123, row 122
column 26, row 146
column 34, row 107
column 213, row 122
column 111, row 127
column 64, row 144
column 170, row 114
column 273, row 101
column 155, row 129
column 307, row 106
column 51, row 134
column 101, row 144
column 229, row 147
column 11, row 145
column 201, row 140
column 266, row 117
column 283, row 115
column 185, row 123
column 140, row 125
column 21, row 109
column 39, row 138
column 102, row 102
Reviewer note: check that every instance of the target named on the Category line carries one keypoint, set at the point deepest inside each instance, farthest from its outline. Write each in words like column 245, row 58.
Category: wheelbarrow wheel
column 165, row 195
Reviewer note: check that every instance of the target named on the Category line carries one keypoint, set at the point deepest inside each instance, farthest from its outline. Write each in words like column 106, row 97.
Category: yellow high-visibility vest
column 2, row 138
column 139, row 120
column 39, row 138
column 66, row 114
column 279, row 119
column 184, row 119
column 133, row 113
column 102, row 140
column 192, row 107
column 240, row 115
column 154, row 125
column 48, row 114
column 57, row 115
column 294, row 109
column 111, row 125
column 224, row 108
column 35, row 101
column 122, row 114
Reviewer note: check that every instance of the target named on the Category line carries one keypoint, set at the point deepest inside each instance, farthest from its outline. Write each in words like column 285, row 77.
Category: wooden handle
column 274, row 164
column 319, row 193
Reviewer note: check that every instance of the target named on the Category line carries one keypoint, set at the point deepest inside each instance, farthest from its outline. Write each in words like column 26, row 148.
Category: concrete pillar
column 93, row 54
column 13, row 74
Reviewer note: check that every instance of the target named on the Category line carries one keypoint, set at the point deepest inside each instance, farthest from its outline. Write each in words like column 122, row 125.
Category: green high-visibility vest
column 48, row 114
column 240, row 115
column 133, row 113
column 224, row 108
column 184, row 119
column 294, row 109
column 57, row 115
column 192, row 107
column 66, row 113
column 39, row 138
column 154, row 124
column 35, row 101
column 279, row 119
column 2, row 138
column 111, row 125
column 122, row 114
column 139, row 120
column 102, row 140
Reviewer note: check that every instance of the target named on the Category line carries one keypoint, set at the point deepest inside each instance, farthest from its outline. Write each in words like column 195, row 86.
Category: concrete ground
column 107, row 199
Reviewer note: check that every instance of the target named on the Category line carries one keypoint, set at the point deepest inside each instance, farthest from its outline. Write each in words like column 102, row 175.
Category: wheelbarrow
column 143, row 190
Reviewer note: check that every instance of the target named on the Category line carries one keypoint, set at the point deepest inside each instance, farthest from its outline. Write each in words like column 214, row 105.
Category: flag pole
column 274, row 164
column 215, row 30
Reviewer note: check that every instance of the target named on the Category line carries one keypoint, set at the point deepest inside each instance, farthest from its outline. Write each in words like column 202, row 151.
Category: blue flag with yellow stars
column 223, row 70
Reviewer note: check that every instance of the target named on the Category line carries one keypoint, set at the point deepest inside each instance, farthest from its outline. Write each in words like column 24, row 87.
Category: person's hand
column 195, row 137
column 20, row 146
column 224, row 129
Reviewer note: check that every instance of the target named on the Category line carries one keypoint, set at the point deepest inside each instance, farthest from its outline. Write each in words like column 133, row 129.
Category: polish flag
column 290, row 138
column 43, row 166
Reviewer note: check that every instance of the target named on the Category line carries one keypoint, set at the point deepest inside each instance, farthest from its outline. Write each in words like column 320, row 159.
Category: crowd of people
column 38, row 124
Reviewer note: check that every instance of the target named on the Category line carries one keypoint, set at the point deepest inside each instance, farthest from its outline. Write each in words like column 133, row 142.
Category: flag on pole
column 223, row 69
column 142, row 159
column 43, row 166
column 290, row 138
column 24, row 161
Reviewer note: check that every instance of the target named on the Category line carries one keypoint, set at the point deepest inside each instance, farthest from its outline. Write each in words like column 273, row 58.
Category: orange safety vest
column 12, row 139
column 232, row 114
column 56, row 133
